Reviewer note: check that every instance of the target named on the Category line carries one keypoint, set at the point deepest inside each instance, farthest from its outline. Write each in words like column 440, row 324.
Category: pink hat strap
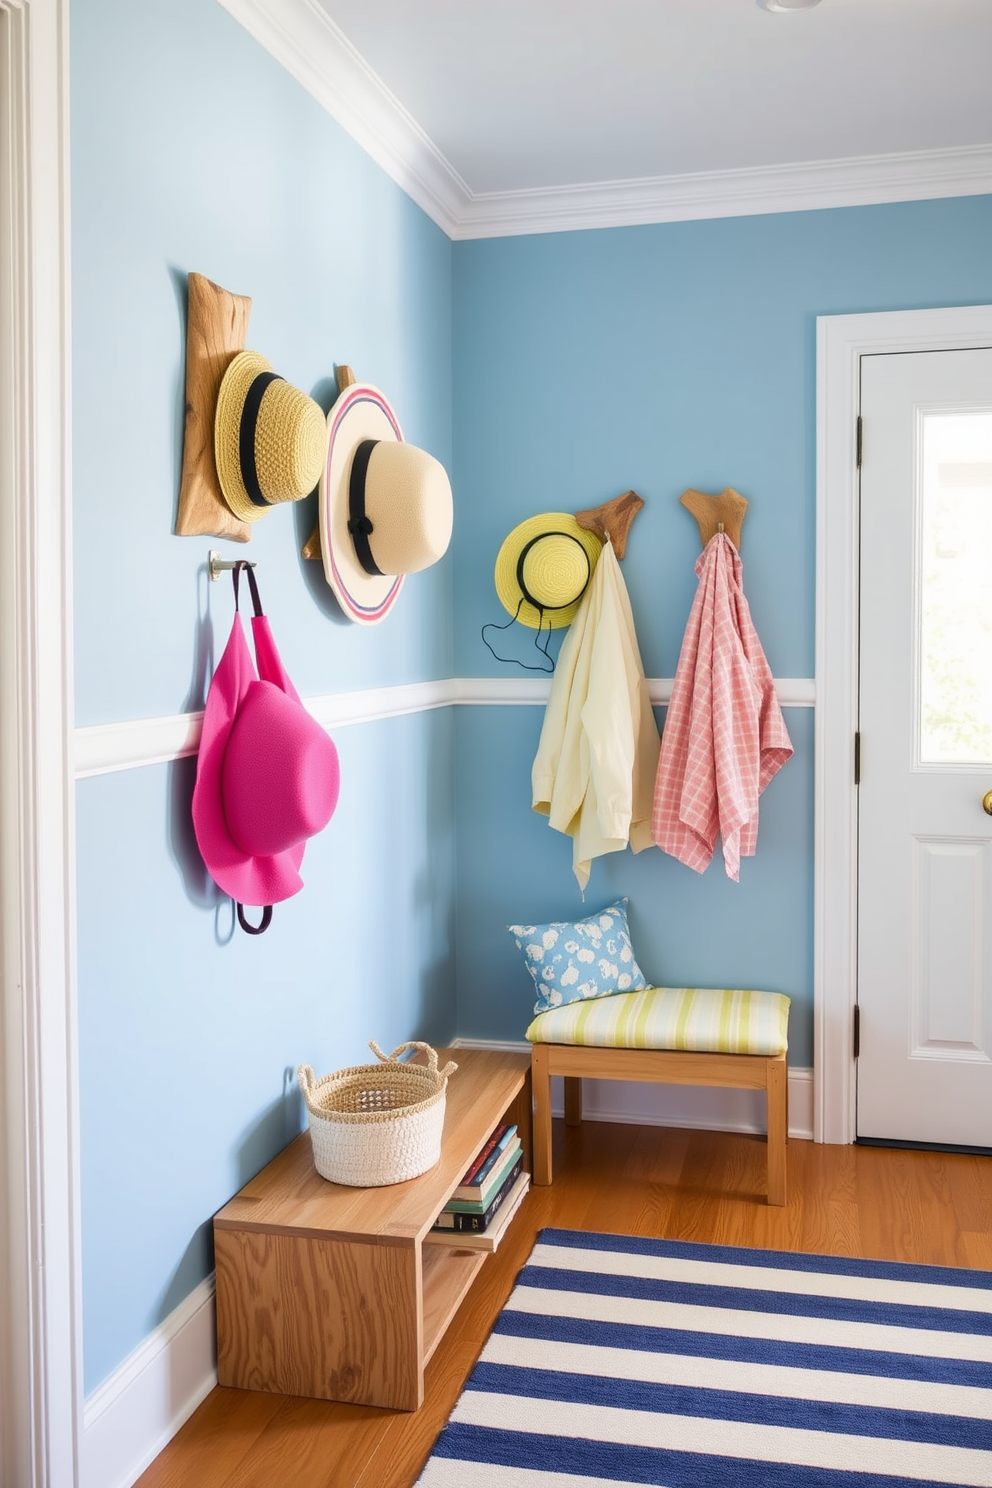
column 249, row 569
column 266, row 912
column 267, row 658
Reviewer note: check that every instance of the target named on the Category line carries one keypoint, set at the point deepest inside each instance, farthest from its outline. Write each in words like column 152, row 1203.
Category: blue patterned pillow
column 573, row 961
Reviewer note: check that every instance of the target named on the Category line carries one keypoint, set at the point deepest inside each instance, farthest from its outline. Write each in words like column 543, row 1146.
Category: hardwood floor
column 934, row 1208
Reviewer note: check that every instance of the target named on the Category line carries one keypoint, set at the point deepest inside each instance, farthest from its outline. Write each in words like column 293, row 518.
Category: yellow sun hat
column 269, row 438
column 543, row 569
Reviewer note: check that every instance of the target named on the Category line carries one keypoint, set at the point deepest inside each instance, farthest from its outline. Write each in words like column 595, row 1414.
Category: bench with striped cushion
column 678, row 1035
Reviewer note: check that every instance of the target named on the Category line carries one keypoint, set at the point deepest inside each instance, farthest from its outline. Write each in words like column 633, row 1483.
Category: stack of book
column 486, row 1185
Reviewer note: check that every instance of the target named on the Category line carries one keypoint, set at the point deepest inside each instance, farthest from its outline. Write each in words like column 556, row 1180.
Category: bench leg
column 573, row 1100
column 540, row 1073
column 777, row 1096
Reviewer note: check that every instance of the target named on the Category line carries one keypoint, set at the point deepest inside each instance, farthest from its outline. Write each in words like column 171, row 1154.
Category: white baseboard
column 703, row 1107
column 136, row 1411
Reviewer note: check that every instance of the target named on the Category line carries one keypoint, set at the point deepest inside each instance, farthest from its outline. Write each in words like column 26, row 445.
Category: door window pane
column 956, row 590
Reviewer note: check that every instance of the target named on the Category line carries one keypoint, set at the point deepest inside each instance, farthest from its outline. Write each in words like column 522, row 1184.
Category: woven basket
column 373, row 1124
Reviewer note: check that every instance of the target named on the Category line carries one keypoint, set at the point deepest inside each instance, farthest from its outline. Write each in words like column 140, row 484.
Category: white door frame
column 40, row 1374
column 841, row 341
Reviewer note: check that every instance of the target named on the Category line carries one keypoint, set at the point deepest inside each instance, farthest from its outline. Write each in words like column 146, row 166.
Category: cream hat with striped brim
column 543, row 569
column 385, row 505
column 269, row 438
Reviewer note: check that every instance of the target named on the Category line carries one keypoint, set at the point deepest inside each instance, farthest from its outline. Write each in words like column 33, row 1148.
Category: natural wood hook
column 216, row 327
column 612, row 520
column 723, row 513
column 311, row 548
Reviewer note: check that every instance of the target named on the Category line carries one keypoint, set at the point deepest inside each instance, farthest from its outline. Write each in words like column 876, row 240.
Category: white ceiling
column 511, row 116
column 524, row 94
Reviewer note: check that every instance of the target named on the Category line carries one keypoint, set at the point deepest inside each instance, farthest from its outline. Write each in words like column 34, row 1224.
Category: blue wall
column 686, row 930
column 660, row 358
column 193, row 150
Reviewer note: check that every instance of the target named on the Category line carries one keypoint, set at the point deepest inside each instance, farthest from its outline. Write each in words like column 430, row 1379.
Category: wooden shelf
column 448, row 1273
column 488, row 1240
column 329, row 1291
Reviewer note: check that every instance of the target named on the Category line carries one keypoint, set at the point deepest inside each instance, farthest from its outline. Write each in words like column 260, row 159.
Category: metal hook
column 216, row 565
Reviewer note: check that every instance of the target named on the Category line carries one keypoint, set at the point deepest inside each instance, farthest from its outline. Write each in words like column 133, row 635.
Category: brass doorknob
column 987, row 802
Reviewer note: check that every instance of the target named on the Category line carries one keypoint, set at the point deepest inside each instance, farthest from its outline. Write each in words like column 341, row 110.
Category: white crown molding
column 301, row 36
column 810, row 186
column 139, row 1408
column 103, row 748
column 701, row 1108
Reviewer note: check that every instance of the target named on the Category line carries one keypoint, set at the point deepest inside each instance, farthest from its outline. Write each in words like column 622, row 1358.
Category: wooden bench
column 554, row 1052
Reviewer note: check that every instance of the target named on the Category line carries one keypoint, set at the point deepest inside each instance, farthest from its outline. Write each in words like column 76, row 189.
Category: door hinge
column 857, row 758
column 857, row 1030
column 859, row 437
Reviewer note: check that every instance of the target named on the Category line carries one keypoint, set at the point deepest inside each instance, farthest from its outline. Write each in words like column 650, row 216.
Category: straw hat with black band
column 385, row 506
column 542, row 571
column 543, row 568
column 269, row 438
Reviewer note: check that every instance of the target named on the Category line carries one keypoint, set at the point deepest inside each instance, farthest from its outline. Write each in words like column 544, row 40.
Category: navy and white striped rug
column 622, row 1360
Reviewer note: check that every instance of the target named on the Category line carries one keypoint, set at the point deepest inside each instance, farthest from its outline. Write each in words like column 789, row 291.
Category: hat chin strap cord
column 258, row 929
column 512, row 660
column 248, row 568
column 525, row 595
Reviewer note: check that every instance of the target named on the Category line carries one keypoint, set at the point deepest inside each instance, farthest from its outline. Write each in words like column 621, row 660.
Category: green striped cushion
column 711, row 1020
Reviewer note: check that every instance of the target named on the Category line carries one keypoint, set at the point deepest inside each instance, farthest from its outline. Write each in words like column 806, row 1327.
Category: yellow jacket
column 594, row 772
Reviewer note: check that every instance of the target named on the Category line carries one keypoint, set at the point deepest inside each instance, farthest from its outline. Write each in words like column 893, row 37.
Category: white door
column 925, row 721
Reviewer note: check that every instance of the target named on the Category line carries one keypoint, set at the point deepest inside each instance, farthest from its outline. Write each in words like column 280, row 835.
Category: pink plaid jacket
column 724, row 737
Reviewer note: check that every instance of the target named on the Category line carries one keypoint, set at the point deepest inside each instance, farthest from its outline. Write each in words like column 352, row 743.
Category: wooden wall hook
column 311, row 548
column 612, row 520
column 216, row 328
column 709, row 511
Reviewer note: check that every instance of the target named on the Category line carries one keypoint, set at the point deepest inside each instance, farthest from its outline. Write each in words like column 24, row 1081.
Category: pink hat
column 267, row 776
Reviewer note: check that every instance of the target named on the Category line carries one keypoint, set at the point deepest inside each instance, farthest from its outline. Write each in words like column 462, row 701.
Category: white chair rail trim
column 103, row 748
